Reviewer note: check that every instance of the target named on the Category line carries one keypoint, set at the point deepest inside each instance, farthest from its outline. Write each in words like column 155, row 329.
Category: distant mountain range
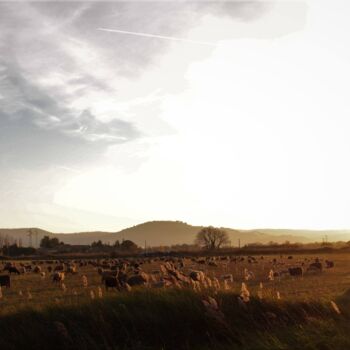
column 165, row 233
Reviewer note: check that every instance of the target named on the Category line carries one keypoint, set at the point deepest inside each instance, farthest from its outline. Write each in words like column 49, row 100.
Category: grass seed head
column 245, row 294
column 226, row 285
column 84, row 281
column 335, row 307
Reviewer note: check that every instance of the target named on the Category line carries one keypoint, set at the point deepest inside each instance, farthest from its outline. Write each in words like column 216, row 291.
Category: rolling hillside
column 160, row 233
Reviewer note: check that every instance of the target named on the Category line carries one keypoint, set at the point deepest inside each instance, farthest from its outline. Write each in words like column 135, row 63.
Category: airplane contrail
column 158, row 36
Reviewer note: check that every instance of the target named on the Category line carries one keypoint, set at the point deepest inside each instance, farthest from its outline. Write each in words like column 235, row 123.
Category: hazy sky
column 101, row 130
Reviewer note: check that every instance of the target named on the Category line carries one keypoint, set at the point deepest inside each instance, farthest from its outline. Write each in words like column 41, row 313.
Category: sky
column 225, row 113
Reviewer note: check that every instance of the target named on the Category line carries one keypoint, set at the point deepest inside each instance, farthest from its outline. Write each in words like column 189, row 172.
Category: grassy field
column 309, row 312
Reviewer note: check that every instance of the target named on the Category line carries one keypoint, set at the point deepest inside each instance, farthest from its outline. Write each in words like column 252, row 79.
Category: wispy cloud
column 70, row 95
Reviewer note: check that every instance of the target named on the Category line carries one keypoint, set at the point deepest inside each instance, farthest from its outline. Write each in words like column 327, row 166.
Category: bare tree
column 212, row 238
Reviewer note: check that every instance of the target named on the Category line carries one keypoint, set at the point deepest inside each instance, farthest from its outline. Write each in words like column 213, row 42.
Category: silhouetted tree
column 47, row 242
column 15, row 250
column 97, row 244
column 212, row 238
column 128, row 245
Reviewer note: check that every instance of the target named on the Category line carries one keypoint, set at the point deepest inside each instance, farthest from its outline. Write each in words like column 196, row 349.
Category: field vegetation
column 249, row 303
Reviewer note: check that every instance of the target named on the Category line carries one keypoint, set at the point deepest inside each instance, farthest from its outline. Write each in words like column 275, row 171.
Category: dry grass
column 314, row 286
column 303, row 306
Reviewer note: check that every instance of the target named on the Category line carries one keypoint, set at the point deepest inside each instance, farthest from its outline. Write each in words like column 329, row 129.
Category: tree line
column 126, row 245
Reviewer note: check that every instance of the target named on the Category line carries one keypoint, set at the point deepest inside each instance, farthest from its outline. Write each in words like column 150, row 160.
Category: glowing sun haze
column 101, row 130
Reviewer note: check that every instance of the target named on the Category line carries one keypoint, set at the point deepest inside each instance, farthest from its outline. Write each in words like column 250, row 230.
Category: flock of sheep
column 179, row 272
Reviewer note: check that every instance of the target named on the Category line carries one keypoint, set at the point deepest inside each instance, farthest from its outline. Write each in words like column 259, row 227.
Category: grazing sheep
column 71, row 269
column 58, row 277
column 295, row 271
column 316, row 266
column 13, row 269
column 108, row 273
column 37, row 269
column 5, row 280
column 329, row 264
column 22, row 270
column 162, row 284
column 7, row 266
column 198, row 276
column 228, row 277
column 111, row 282
column 138, row 280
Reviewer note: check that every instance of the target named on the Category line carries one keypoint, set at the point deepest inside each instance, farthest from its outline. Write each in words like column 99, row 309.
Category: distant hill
column 161, row 233
column 311, row 235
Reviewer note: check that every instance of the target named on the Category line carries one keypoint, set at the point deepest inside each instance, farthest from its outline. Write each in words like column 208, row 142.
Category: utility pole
column 7, row 241
column 36, row 239
column 30, row 235
column 239, row 243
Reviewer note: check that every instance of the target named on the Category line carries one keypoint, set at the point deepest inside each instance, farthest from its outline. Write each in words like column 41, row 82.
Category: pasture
column 222, row 302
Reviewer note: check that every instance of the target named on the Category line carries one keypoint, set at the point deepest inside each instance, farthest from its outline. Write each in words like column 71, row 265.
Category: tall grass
column 178, row 319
